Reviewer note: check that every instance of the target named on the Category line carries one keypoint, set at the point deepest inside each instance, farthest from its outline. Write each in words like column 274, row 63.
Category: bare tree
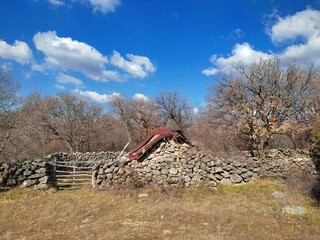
column 8, row 103
column 262, row 99
column 70, row 119
column 176, row 111
column 139, row 116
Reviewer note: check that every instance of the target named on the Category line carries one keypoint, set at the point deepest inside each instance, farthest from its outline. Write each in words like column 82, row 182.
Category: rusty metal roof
column 155, row 137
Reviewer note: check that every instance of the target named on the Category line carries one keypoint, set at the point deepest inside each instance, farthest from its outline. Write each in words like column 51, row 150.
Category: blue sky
column 96, row 48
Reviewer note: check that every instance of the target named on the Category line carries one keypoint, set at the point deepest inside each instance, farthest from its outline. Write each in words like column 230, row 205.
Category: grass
column 248, row 211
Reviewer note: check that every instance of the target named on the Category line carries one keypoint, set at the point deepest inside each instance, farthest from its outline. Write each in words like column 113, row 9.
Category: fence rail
column 71, row 175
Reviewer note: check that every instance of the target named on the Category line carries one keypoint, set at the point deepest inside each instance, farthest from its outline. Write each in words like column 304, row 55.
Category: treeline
column 267, row 104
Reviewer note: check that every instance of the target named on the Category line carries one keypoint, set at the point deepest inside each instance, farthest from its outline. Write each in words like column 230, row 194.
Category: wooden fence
column 71, row 174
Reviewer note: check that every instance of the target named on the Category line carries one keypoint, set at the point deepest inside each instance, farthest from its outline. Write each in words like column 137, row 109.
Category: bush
column 315, row 147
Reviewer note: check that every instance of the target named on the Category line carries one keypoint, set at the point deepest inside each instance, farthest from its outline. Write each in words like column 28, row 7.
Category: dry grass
column 238, row 212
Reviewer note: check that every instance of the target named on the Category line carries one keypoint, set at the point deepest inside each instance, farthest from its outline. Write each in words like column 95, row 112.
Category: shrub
column 315, row 147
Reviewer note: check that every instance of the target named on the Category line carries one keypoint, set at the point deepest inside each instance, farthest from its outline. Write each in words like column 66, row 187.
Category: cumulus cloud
column 59, row 87
column 104, row 6
column 300, row 33
column 68, row 54
column 210, row 71
column 19, row 51
column 100, row 98
column 136, row 67
column 241, row 52
column 302, row 24
column 56, row 2
column 237, row 33
column 305, row 25
column 67, row 79
column 141, row 97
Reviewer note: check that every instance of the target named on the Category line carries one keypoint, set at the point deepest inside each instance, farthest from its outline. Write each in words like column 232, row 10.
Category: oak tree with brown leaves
column 263, row 98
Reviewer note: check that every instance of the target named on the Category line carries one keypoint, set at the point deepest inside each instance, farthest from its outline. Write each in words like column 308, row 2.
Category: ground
column 250, row 211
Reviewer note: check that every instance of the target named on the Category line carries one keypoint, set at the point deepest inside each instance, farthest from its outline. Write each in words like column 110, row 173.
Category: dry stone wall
column 36, row 173
column 167, row 164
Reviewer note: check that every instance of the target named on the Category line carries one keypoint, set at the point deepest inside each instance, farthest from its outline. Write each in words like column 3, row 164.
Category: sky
column 100, row 48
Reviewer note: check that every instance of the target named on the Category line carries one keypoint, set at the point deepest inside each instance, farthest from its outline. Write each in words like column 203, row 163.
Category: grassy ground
column 235, row 212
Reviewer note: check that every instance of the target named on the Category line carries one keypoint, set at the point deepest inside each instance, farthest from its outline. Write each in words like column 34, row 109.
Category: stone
column 173, row 180
column 218, row 176
column 226, row 174
column 37, row 175
column 156, row 172
column 164, row 171
column 108, row 170
column 170, row 149
column 41, row 163
column 109, row 176
column 226, row 182
column 237, row 164
column 187, row 179
column 173, row 171
column 143, row 195
column 11, row 182
column 28, row 183
column 41, row 170
column 235, row 178
column 27, row 172
column 294, row 210
column 41, row 186
column 212, row 177
column 44, row 180
column 21, row 178
column 18, row 172
column 196, row 178
column 218, row 170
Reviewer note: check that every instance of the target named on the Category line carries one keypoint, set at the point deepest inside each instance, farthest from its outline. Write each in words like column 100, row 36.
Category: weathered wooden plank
column 70, row 162
column 74, row 175
column 72, row 172
column 72, row 180
column 73, row 184
column 71, row 166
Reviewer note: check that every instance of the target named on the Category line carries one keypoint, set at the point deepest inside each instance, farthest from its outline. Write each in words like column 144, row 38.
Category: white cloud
column 68, row 54
column 19, row 52
column 59, row 87
column 210, row 71
column 137, row 67
column 305, row 24
column 302, row 24
column 241, row 52
column 237, row 33
column 67, row 79
column 100, row 98
column 141, row 97
column 104, row 6
column 300, row 33
column 56, row 2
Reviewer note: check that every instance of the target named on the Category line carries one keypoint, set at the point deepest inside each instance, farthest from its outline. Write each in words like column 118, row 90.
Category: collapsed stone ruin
column 167, row 163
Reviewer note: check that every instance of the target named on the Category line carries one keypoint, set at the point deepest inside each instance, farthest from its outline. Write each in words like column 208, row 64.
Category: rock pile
column 182, row 165
column 29, row 173
column 167, row 164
